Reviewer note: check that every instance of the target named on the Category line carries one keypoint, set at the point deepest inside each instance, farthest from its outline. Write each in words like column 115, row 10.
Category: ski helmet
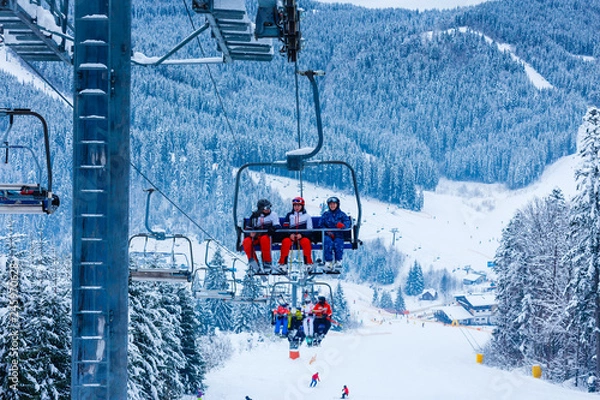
column 321, row 299
column 263, row 204
column 298, row 200
column 333, row 199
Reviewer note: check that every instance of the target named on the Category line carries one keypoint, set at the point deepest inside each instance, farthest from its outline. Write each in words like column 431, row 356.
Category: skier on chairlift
column 280, row 315
column 300, row 220
column 261, row 219
column 322, row 312
column 333, row 241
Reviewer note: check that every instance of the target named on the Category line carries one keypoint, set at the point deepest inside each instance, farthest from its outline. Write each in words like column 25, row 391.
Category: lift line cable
column 160, row 191
column 236, row 142
column 185, row 214
column 47, row 82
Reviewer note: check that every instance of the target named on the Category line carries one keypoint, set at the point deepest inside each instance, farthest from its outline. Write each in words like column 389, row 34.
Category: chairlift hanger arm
column 296, row 159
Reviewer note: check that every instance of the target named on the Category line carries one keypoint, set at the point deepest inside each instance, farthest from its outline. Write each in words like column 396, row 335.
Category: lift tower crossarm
column 141, row 59
column 233, row 30
column 31, row 36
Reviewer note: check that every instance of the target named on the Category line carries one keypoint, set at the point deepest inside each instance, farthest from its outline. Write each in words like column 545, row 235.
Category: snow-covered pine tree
column 385, row 300
column 542, row 282
column 341, row 312
column 584, row 288
column 375, row 299
column 399, row 304
column 193, row 371
column 510, row 256
column 554, row 343
column 250, row 315
column 415, row 282
column 145, row 343
column 206, row 323
column 47, row 324
column 216, row 279
column 169, row 324
column 16, row 377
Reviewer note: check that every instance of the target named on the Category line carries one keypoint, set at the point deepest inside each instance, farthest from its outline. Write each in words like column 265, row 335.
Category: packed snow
column 389, row 358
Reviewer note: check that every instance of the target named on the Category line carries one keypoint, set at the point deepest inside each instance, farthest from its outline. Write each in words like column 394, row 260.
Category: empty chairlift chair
column 159, row 256
column 20, row 160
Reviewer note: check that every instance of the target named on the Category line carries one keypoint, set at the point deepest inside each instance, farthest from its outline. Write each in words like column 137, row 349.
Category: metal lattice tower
column 101, row 166
column 101, row 148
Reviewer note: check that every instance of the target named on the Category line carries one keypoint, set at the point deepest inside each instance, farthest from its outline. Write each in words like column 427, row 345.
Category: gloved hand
column 340, row 225
column 331, row 235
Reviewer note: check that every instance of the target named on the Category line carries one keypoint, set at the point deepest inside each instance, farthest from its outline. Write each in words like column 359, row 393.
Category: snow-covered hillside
column 394, row 357
column 389, row 358
column 460, row 224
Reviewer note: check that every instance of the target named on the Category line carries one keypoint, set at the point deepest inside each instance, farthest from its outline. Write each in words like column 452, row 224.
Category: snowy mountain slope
column 389, row 358
column 460, row 223
column 535, row 77
column 13, row 65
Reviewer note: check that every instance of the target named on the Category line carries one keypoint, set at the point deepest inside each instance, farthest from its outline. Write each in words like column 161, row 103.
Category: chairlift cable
column 141, row 173
column 236, row 142
column 47, row 82
column 186, row 215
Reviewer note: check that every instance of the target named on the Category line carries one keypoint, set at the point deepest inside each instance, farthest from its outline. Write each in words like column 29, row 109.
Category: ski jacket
column 307, row 309
column 345, row 391
column 300, row 220
column 281, row 311
column 315, row 377
column 330, row 219
column 259, row 220
column 322, row 310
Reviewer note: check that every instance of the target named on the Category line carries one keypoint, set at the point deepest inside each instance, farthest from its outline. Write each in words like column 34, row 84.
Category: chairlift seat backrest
column 317, row 234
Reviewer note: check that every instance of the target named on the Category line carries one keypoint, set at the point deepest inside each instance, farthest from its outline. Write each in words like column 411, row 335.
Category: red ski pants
column 286, row 245
column 265, row 247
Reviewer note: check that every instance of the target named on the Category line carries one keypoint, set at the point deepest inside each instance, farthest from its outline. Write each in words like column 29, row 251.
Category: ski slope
column 388, row 358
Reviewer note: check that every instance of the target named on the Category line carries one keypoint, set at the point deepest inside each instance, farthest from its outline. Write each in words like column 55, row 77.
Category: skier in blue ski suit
column 333, row 241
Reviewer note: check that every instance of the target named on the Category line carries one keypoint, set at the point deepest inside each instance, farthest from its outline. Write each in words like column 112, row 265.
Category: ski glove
column 340, row 225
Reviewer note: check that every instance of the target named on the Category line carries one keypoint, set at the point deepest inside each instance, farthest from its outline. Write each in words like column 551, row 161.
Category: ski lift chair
column 158, row 256
column 203, row 288
column 28, row 197
column 297, row 160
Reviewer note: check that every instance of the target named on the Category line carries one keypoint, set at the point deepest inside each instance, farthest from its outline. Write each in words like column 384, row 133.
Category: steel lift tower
column 102, row 58
column 101, row 165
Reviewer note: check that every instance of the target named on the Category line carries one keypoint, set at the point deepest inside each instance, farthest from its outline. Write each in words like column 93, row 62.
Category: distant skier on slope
column 345, row 392
column 315, row 379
